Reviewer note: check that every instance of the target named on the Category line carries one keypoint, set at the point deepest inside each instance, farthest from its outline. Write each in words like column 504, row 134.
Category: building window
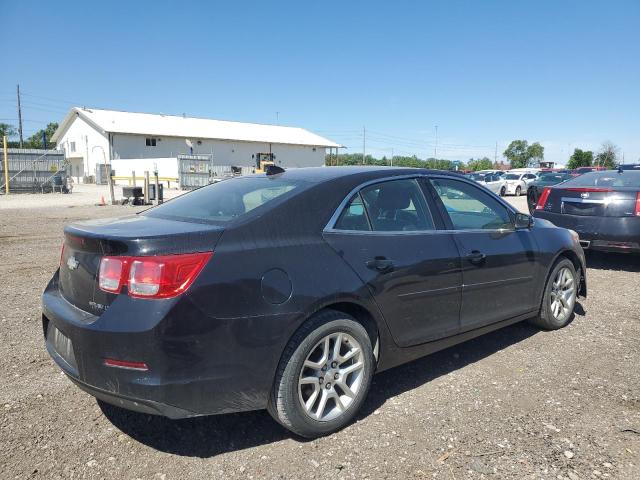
column 72, row 147
column 151, row 142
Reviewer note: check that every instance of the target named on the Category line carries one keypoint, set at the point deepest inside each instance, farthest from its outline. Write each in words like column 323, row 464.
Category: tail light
column 543, row 198
column 162, row 276
column 589, row 189
column 638, row 204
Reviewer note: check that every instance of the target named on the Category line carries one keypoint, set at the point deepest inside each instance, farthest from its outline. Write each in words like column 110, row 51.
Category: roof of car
column 322, row 174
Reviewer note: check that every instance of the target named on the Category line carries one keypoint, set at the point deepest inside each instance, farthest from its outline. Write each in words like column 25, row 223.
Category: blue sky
column 564, row 73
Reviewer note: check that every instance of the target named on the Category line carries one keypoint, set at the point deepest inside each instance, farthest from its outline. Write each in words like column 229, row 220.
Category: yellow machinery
column 263, row 160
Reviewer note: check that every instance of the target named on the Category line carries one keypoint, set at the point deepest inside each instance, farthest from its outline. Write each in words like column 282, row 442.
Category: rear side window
column 227, row 200
column 392, row 206
column 353, row 217
column 605, row 179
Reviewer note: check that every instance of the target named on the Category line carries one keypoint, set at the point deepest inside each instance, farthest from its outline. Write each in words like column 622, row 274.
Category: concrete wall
column 91, row 147
column 224, row 152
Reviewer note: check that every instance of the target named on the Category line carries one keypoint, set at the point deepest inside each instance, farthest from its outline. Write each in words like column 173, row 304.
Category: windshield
column 609, row 178
column 512, row 176
column 226, row 200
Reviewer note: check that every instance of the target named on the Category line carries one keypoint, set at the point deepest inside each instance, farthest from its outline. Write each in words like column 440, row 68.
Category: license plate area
column 62, row 345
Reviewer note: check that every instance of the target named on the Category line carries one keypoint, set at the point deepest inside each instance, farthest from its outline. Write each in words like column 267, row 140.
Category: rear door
column 388, row 235
column 499, row 267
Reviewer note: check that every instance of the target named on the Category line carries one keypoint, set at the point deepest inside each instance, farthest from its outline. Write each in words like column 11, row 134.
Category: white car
column 517, row 182
column 492, row 181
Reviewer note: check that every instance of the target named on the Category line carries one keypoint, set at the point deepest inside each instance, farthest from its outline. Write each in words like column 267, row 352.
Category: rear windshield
column 226, row 200
column 608, row 178
column 554, row 177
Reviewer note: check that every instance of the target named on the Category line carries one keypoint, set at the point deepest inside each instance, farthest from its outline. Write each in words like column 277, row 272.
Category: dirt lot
column 518, row 403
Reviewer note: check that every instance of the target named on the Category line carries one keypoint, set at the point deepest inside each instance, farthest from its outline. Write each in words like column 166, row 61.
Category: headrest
column 393, row 196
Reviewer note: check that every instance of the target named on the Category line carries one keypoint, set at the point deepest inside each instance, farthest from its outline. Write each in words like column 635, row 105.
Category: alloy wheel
column 331, row 377
column 563, row 294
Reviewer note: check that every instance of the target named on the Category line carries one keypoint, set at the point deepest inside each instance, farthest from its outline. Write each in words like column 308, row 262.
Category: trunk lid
column 85, row 243
column 592, row 201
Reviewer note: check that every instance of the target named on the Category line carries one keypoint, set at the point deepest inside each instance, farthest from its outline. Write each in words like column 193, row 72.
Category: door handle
column 476, row 257
column 381, row 264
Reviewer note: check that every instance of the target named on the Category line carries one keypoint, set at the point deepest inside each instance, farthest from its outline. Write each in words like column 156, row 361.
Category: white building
column 141, row 142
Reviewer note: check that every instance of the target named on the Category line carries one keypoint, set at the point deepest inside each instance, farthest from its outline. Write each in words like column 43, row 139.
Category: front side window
column 391, row 206
column 512, row 176
column 470, row 208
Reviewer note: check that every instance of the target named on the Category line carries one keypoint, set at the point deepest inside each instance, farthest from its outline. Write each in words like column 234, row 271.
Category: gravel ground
column 517, row 403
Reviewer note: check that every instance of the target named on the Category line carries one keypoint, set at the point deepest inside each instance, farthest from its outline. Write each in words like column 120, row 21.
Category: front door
column 388, row 235
column 498, row 261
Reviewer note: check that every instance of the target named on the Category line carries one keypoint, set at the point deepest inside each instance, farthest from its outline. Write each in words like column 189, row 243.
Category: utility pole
column 435, row 149
column 392, row 156
column 19, row 116
column 6, row 165
column 495, row 156
column 364, row 145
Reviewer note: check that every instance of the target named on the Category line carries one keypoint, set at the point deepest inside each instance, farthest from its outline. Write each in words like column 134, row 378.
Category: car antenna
column 273, row 170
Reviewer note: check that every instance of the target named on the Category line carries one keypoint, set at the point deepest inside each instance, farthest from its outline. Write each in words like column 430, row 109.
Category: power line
column 52, row 100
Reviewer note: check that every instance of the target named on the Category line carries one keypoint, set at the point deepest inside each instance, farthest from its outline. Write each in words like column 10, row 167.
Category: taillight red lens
column 162, row 276
column 589, row 189
column 110, row 278
column 638, row 204
column 543, row 198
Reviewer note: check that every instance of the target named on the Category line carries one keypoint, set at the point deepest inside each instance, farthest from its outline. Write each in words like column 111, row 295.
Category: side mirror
column 523, row 221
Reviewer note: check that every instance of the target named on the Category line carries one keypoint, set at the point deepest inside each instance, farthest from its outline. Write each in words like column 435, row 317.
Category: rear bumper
column 198, row 365
column 609, row 234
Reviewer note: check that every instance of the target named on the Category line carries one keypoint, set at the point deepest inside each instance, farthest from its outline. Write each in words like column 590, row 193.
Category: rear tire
column 323, row 376
column 503, row 191
column 559, row 298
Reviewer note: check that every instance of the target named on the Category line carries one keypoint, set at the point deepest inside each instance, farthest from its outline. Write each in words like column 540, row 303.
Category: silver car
column 492, row 181
column 517, row 182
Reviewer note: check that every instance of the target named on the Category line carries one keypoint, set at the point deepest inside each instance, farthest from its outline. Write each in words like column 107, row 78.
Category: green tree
column 521, row 154
column 480, row 164
column 8, row 130
column 535, row 152
column 580, row 158
column 516, row 152
column 607, row 156
column 35, row 140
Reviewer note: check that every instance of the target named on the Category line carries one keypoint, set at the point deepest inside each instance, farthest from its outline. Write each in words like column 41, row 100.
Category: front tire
column 518, row 191
column 503, row 191
column 324, row 375
column 559, row 297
